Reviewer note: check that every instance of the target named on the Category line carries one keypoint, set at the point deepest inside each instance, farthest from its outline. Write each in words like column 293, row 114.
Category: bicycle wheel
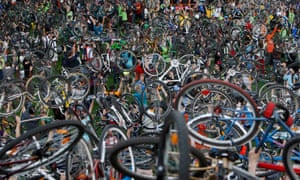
column 33, row 84
column 110, row 136
column 187, row 61
column 173, row 148
column 133, row 107
column 79, row 111
column 265, row 86
column 259, row 31
column 54, row 91
column 291, row 157
column 154, row 64
column 80, row 162
column 157, row 98
column 214, row 96
column 39, row 146
column 126, row 60
column 140, row 146
column 11, row 99
column 280, row 94
column 94, row 62
column 145, row 151
column 79, row 85
column 236, row 32
column 217, row 116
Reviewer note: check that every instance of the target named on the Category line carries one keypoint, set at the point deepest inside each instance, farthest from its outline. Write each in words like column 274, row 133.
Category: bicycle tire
column 290, row 157
column 79, row 162
column 126, row 60
column 174, row 135
column 94, row 62
column 54, row 91
column 106, row 143
column 149, row 144
column 33, row 85
column 280, row 94
column 158, row 99
column 132, row 106
column 238, row 96
column 39, row 146
column 265, row 86
column 79, row 85
column 11, row 99
column 154, row 64
column 113, row 156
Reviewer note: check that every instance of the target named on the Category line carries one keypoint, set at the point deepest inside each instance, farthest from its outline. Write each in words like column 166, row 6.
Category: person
column 53, row 36
column 122, row 11
column 28, row 67
column 8, row 71
column 71, row 57
column 253, row 158
column 270, row 46
column 26, row 116
column 138, row 93
column 118, row 92
column 139, row 70
column 2, row 63
column 290, row 78
column 97, row 25
column 138, row 12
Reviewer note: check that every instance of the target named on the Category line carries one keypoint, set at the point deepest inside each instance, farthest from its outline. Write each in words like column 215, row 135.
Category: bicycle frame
column 276, row 167
column 269, row 132
column 174, row 64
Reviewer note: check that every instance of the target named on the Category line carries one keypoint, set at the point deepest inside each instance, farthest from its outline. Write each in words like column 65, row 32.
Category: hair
column 31, row 110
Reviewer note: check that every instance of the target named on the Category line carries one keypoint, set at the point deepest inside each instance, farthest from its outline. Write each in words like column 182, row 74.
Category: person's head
column 44, row 111
column 31, row 110
column 70, row 53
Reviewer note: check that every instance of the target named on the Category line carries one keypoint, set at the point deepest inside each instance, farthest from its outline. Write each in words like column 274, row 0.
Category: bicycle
column 179, row 70
column 290, row 157
column 39, row 147
column 98, row 144
column 171, row 155
column 79, row 83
